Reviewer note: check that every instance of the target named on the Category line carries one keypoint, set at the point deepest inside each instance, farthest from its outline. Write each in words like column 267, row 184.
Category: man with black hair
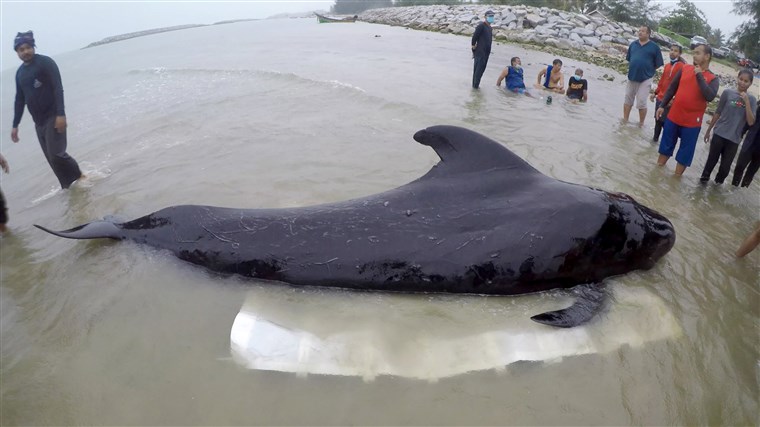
column 644, row 58
column 39, row 87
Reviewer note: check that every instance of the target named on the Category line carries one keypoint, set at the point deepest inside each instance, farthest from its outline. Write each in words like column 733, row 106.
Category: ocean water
column 280, row 113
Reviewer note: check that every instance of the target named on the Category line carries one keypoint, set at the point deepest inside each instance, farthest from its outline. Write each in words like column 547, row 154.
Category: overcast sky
column 61, row 26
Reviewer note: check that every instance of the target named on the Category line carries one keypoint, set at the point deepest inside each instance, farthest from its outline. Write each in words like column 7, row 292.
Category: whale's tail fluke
column 92, row 230
column 590, row 299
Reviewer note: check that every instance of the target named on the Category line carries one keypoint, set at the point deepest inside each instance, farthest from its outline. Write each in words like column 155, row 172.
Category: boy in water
column 577, row 87
column 554, row 80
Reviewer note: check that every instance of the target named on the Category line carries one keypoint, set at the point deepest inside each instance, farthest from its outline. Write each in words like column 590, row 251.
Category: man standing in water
column 39, row 87
column 644, row 59
column 481, row 48
column 670, row 70
column 693, row 87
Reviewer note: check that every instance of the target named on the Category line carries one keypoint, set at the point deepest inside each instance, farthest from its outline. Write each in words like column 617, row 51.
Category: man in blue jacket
column 481, row 48
column 644, row 57
column 39, row 87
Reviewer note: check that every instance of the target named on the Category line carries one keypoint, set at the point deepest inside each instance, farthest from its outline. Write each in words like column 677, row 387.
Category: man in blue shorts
column 693, row 87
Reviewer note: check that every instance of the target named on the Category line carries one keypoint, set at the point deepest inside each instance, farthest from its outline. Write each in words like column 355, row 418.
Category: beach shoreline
column 592, row 39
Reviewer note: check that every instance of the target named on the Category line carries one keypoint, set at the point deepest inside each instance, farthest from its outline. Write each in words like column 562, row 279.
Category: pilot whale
column 481, row 221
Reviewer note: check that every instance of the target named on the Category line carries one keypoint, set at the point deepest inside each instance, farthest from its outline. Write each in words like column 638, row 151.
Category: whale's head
column 632, row 237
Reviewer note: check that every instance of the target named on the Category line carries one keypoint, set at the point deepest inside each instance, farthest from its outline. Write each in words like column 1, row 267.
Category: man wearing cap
column 481, row 48
column 39, row 87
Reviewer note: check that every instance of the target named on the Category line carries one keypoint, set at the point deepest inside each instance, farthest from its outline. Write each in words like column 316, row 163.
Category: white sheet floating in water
column 308, row 331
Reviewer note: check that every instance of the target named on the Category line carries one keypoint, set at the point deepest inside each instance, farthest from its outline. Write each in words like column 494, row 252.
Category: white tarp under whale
column 333, row 332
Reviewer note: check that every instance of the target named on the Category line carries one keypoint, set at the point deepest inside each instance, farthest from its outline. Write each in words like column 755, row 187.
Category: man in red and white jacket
column 670, row 71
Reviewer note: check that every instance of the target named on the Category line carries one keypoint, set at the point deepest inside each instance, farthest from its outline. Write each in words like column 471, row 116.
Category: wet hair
column 677, row 46
column 578, row 71
column 513, row 60
column 747, row 72
column 557, row 62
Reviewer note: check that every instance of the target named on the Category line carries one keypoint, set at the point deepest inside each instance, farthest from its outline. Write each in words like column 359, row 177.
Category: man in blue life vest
column 39, row 88
column 512, row 75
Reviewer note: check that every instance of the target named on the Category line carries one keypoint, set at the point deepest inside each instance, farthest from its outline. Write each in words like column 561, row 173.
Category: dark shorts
column 671, row 132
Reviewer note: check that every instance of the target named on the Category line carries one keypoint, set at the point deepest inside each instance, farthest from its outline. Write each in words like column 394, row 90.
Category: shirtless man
column 553, row 78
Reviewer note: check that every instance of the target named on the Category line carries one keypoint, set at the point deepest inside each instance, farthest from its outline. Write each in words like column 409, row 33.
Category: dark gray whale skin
column 481, row 221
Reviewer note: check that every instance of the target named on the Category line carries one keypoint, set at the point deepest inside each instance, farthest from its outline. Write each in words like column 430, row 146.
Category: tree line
column 685, row 18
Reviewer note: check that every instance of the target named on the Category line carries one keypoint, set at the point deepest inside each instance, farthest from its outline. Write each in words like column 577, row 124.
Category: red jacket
column 668, row 73
column 689, row 104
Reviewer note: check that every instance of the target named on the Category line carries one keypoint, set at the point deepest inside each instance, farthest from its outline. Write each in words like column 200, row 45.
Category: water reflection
column 328, row 332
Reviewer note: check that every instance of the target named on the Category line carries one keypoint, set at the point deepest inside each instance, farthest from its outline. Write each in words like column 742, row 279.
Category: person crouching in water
column 736, row 109
column 553, row 78
column 693, row 87
column 513, row 77
column 577, row 87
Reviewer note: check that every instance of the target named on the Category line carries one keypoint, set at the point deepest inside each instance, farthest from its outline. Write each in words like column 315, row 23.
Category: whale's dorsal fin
column 462, row 150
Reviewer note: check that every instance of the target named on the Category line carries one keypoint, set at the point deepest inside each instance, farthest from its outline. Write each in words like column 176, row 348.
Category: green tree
column 686, row 19
column 715, row 38
column 747, row 36
column 634, row 12
column 350, row 7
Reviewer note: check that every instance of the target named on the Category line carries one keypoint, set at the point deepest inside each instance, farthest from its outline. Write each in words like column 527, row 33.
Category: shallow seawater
column 100, row 332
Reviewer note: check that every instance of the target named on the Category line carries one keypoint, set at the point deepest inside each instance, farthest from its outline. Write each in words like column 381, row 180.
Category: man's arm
column 749, row 108
column 750, row 243
column 541, row 74
column 628, row 53
column 476, row 35
column 658, row 62
column 502, row 76
column 709, row 92
column 18, row 106
column 51, row 68
column 671, row 90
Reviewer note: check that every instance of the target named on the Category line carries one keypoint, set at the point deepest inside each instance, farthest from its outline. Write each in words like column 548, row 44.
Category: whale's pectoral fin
column 589, row 301
column 93, row 230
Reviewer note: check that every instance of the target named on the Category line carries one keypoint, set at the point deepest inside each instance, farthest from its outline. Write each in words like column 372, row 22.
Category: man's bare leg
column 642, row 116
column 662, row 160
column 626, row 112
column 680, row 169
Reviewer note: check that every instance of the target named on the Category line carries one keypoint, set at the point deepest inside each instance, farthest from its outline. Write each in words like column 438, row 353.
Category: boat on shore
column 328, row 19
